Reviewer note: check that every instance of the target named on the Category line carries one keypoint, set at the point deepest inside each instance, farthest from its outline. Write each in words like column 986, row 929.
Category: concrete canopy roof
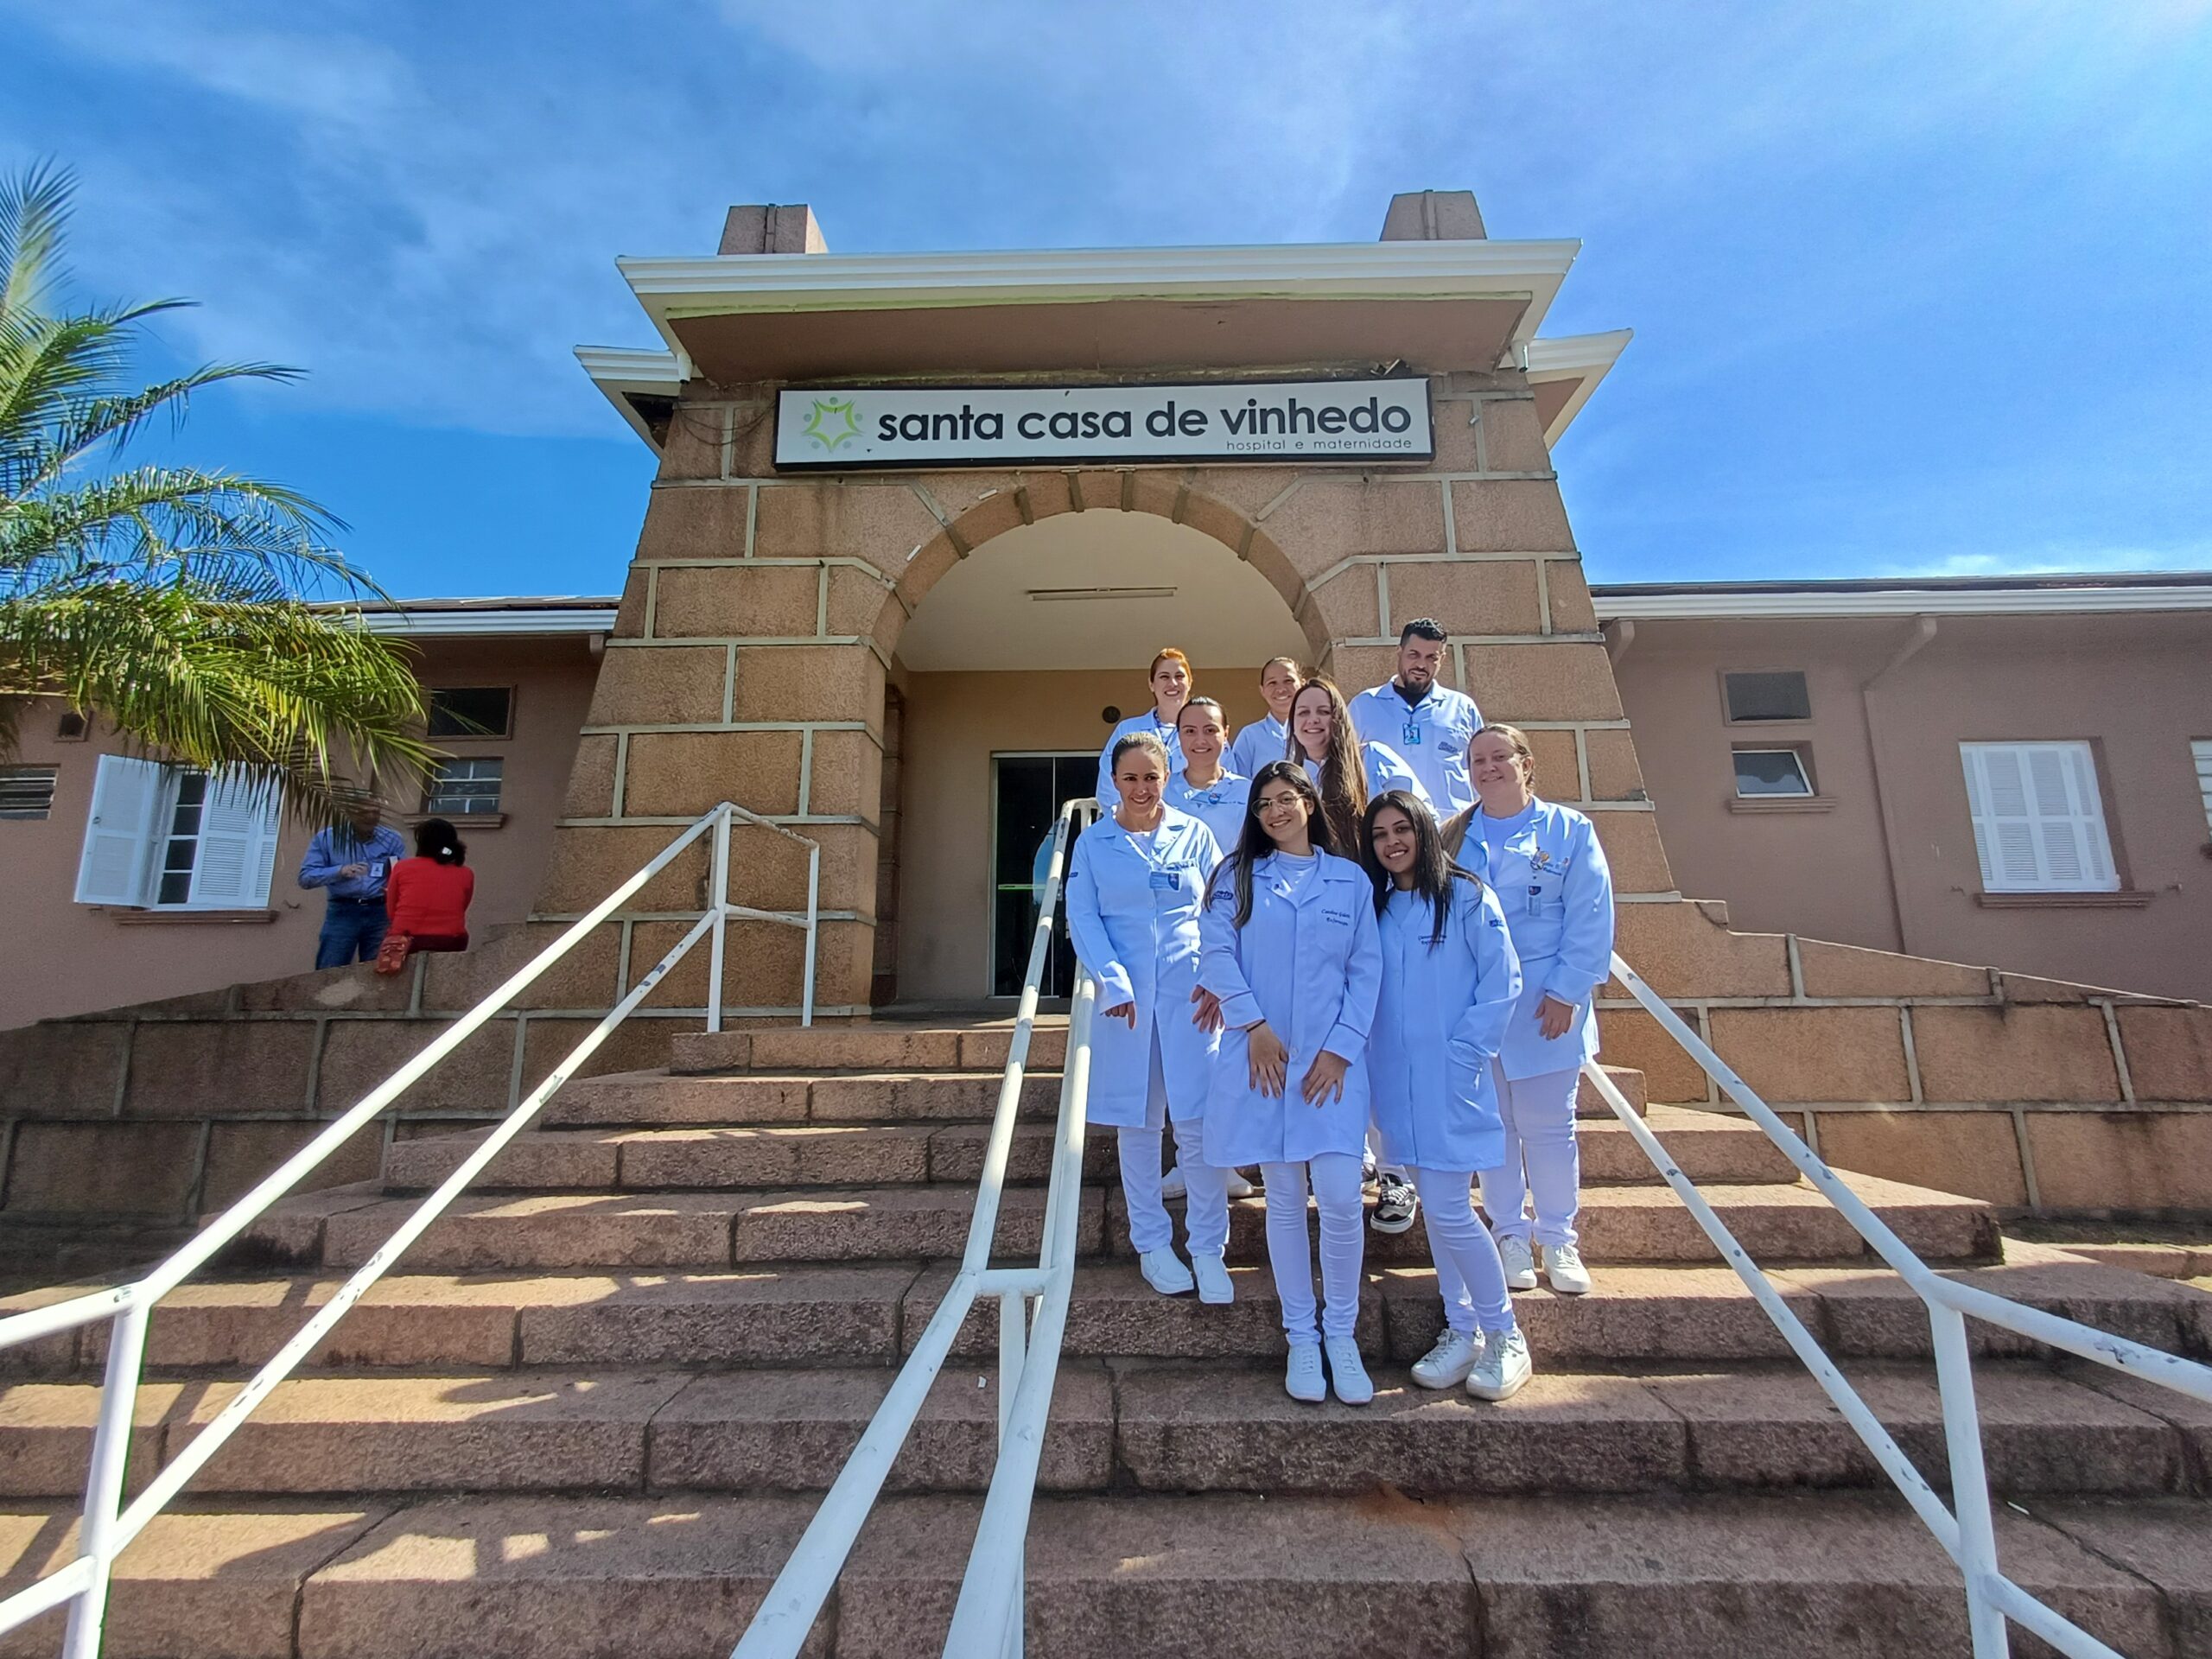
column 1442, row 305
column 800, row 316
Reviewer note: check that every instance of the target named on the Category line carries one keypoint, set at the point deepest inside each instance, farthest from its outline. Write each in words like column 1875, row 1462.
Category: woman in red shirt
column 427, row 896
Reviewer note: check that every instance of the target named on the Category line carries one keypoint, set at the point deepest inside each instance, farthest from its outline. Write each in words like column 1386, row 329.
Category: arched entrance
column 1008, row 675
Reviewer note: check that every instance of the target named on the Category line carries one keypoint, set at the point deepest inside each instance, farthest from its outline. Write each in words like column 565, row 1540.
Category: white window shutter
column 238, row 846
column 126, row 796
column 2038, row 821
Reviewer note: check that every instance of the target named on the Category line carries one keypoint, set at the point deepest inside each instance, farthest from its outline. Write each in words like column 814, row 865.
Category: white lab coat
column 1384, row 771
column 1312, row 968
column 1437, row 1026
column 1108, row 796
column 1133, row 912
column 1266, row 739
column 1220, row 805
column 1552, row 884
column 1430, row 736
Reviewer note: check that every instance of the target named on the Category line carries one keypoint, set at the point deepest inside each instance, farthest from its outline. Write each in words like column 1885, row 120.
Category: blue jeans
column 351, row 933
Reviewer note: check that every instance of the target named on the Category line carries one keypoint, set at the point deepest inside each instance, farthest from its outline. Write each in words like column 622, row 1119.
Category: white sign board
column 845, row 429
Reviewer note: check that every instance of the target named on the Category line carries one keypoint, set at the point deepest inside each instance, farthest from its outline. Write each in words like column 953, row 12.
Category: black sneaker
column 1395, row 1205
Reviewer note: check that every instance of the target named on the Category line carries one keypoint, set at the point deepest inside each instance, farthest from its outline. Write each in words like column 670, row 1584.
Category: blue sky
column 1917, row 288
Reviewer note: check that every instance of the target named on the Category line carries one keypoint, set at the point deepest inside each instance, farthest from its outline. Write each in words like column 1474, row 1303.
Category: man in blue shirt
column 353, row 862
column 1427, row 725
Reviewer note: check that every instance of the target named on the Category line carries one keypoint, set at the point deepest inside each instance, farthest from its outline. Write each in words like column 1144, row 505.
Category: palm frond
column 33, row 216
column 174, row 601
column 283, row 693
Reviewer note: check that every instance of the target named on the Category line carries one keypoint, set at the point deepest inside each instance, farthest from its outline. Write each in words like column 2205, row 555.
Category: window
column 1772, row 771
column 464, row 789
column 1780, row 695
column 26, row 792
column 2038, row 821
column 177, row 840
column 471, row 711
column 2201, row 751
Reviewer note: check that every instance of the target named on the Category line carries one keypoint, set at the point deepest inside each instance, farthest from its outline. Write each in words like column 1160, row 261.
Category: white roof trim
column 731, row 284
column 617, row 371
column 521, row 619
column 1587, row 358
column 2019, row 601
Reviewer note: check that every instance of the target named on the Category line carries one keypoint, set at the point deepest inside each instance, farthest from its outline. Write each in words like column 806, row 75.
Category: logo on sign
column 831, row 422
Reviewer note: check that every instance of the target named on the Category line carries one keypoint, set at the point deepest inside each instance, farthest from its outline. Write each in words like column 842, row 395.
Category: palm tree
column 179, row 603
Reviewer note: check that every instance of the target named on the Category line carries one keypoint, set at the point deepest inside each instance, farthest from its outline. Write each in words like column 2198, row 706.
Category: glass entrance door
column 1027, row 791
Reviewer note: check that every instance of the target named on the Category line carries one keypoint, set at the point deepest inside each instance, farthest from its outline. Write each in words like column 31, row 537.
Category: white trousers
column 1388, row 1172
column 1542, row 1159
column 1290, row 1250
column 1468, row 1272
column 1205, row 1213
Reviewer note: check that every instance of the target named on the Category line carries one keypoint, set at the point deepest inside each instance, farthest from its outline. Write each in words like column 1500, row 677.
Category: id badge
column 1166, row 881
column 1411, row 733
column 1535, row 895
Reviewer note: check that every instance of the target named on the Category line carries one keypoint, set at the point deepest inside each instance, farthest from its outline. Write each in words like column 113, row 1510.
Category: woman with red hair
column 1171, row 685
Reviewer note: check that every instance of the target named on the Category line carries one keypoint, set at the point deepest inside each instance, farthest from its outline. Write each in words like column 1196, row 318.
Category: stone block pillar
column 743, row 667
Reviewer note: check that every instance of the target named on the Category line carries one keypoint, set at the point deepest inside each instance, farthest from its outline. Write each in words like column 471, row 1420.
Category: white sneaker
column 1446, row 1365
column 1165, row 1272
column 1563, row 1269
column 1503, row 1369
column 1520, row 1263
column 1215, row 1286
column 1171, row 1183
column 1302, row 1380
column 1238, row 1186
column 1347, row 1371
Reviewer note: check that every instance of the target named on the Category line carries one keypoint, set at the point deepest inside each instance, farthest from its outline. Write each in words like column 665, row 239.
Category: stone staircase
column 595, row 1407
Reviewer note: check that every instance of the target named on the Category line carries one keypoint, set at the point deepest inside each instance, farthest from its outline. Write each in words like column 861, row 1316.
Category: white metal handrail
column 1965, row 1531
column 108, row 1527
column 987, row 1617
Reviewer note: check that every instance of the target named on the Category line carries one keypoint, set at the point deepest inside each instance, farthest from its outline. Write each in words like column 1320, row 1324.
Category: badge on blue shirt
column 1411, row 733
column 1166, row 881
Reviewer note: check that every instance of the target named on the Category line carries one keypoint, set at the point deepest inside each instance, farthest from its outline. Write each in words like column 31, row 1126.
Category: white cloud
column 2056, row 561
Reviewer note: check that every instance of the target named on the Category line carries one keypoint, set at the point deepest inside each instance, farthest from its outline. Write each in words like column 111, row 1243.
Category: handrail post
column 813, row 926
column 719, row 897
column 102, row 1540
column 1970, row 1480
column 1013, row 1342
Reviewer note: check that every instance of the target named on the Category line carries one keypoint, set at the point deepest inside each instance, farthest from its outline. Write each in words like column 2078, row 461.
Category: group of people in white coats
column 1362, row 950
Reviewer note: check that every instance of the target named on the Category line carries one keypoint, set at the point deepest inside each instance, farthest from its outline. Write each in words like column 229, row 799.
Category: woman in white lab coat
column 1348, row 772
column 1134, row 892
column 1204, row 786
column 1269, row 737
column 1549, row 873
column 1290, row 952
column 1450, row 981
column 1172, row 681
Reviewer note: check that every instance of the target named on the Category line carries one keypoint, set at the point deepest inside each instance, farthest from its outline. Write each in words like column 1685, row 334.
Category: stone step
column 343, row 1227
column 1708, row 1147
column 1637, row 1317
column 884, row 1094
column 1831, row 1575
column 1636, row 1224
column 1158, row 1425
column 739, row 1156
column 1619, row 1224
column 1678, row 1317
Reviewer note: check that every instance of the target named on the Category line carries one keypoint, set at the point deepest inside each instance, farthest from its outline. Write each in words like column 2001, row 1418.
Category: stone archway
column 762, row 613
